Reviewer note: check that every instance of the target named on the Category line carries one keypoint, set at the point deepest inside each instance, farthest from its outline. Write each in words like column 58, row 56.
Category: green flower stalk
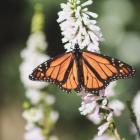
column 38, row 19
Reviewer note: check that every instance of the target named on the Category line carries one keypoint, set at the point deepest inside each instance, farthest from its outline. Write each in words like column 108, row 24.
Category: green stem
column 133, row 117
column 38, row 18
column 115, row 131
column 118, row 137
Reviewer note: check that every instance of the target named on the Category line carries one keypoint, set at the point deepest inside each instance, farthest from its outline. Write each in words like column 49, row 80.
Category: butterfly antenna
column 76, row 47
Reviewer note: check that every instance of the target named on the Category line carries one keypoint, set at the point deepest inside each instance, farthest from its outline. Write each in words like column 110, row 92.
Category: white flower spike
column 38, row 107
column 78, row 26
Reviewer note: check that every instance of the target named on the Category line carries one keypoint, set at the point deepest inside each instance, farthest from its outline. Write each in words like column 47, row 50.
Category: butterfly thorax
column 78, row 56
column 77, row 52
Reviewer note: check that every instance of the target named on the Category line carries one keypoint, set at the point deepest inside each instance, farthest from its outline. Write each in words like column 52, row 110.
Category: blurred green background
column 120, row 24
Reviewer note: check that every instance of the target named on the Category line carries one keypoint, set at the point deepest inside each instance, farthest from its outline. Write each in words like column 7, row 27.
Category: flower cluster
column 36, row 45
column 38, row 113
column 78, row 26
column 97, row 108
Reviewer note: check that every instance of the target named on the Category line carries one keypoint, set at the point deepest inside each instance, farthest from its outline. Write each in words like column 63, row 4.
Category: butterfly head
column 77, row 47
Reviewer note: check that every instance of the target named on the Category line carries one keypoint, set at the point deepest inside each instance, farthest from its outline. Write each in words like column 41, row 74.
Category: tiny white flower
column 50, row 100
column 95, row 117
column 89, row 98
column 117, row 106
column 53, row 138
column 136, row 107
column 54, row 116
column 103, row 128
column 88, row 108
column 34, row 134
column 104, row 137
column 110, row 116
column 29, row 125
column 33, row 115
column 34, row 95
column 89, row 104
column 110, row 89
column 94, row 15
column 89, row 2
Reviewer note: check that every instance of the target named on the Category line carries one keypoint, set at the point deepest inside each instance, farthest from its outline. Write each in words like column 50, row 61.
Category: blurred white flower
column 92, row 103
column 54, row 115
column 103, row 128
column 78, row 26
column 34, row 95
column 95, row 117
column 88, row 108
column 53, row 138
column 29, row 125
column 33, row 115
column 117, row 107
column 110, row 116
column 35, row 55
column 87, row 3
column 34, row 134
column 109, row 91
column 37, row 42
column 115, row 104
column 89, row 104
column 32, row 56
column 49, row 99
column 104, row 137
column 136, row 107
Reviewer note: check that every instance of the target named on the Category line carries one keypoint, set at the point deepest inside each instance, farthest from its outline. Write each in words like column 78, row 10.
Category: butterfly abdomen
column 78, row 56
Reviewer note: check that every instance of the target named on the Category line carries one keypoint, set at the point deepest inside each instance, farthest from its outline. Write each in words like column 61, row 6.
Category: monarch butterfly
column 78, row 70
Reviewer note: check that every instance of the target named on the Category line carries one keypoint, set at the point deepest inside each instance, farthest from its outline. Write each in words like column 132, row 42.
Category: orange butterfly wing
column 89, row 70
column 72, row 79
column 99, row 71
column 61, row 70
